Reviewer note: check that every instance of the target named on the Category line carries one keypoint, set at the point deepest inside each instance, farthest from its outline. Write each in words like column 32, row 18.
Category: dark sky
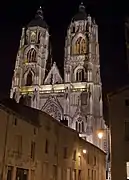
column 109, row 17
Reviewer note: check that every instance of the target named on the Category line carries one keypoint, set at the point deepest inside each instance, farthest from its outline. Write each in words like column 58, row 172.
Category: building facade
column 119, row 128
column 37, row 81
column 43, row 148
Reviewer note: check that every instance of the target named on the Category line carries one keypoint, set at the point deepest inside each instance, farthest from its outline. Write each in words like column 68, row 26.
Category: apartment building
column 35, row 146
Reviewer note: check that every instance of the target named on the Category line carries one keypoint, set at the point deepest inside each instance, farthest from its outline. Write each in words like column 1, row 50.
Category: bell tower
column 82, row 71
column 30, row 66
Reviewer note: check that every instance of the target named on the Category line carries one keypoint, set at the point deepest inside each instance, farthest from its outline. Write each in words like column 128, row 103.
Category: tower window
column 46, row 146
column 80, row 75
column 29, row 79
column 65, row 152
column 79, row 126
column 31, row 55
column 79, row 47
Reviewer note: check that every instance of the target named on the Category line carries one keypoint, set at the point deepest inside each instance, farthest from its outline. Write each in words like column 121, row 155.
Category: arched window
column 80, row 126
column 80, row 75
column 31, row 55
column 79, row 47
column 29, row 79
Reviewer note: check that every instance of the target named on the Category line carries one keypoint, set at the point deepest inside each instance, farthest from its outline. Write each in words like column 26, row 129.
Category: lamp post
column 101, row 134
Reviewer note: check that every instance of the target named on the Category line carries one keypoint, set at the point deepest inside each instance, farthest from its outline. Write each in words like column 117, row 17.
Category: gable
column 53, row 76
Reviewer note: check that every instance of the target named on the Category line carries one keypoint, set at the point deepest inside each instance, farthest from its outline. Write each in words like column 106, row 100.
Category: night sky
column 109, row 17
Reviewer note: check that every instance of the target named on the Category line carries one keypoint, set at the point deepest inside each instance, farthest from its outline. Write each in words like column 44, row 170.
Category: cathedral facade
column 76, row 98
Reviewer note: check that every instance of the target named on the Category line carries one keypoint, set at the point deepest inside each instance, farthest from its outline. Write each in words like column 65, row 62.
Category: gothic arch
column 80, row 123
column 31, row 55
column 29, row 77
column 79, row 45
column 29, row 80
column 27, row 49
column 80, row 126
column 53, row 108
column 79, row 74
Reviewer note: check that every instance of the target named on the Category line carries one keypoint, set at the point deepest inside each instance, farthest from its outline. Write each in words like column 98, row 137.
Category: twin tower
column 76, row 99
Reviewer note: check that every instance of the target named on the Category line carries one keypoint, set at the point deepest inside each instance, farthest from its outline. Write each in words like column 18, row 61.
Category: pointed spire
column 81, row 15
column 81, row 7
column 38, row 20
column 39, row 13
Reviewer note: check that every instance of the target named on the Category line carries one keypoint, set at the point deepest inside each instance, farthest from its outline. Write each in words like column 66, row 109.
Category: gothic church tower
column 31, row 61
column 82, row 70
column 77, row 99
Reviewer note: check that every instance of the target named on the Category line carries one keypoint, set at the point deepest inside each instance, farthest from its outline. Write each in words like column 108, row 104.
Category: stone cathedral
column 37, row 82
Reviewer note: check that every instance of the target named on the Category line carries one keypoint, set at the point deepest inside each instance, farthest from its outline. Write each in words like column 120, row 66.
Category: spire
column 39, row 13
column 38, row 20
column 81, row 15
column 81, row 7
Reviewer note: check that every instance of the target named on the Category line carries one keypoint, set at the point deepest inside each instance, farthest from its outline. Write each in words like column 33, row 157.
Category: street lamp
column 100, row 134
column 84, row 151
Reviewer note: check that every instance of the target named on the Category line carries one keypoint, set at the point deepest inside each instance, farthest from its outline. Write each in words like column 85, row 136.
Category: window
column 84, row 97
column 88, row 158
column 9, row 173
column 46, row 146
column 33, row 150
column 54, row 172
column 80, row 125
column 94, row 160
column 15, row 121
column 80, row 75
column 127, row 102
column 65, row 152
column 74, row 155
column 79, row 47
column 79, row 160
column 29, row 79
column 31, row 55
column 34, row 131
column 92, row 175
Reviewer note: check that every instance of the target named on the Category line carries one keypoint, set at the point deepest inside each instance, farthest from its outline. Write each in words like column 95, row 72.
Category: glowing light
column 84, row 151
column 100, row 135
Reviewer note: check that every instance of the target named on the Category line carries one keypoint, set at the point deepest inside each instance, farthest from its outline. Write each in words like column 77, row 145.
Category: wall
column 118, row 115
column 59, row 162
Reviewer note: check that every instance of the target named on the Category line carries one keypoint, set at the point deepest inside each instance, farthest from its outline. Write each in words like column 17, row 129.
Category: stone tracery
column 79, row 47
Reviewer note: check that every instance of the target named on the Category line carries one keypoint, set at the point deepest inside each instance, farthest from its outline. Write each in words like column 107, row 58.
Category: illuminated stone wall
column 45, row 149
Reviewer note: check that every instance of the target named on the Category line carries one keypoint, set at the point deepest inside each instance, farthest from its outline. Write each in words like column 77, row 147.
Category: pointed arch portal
column 29, row 79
